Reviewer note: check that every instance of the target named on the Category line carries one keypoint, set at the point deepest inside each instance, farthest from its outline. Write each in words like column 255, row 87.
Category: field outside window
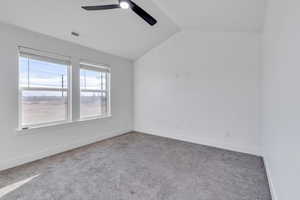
column 94, row 92
column 44, row 90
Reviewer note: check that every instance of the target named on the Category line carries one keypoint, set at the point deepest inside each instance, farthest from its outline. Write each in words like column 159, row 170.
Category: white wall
column 202, row 87
column 37, row 143
column 281, row 97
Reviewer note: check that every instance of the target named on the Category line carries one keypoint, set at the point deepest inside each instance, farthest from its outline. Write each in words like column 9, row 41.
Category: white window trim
column 32, row 53
column 100, row 68
column 28, row 130
column 67, row 60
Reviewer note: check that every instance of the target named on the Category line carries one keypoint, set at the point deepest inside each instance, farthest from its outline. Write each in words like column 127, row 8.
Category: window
column 94, row 91
column 44, row 88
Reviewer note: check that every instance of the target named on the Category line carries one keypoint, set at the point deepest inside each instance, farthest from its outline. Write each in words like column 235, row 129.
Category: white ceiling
column 216, row 15
column 123, row 33
column 119, row 32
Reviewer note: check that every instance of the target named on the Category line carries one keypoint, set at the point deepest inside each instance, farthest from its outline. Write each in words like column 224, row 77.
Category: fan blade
column 143, row 14
column 104, row 7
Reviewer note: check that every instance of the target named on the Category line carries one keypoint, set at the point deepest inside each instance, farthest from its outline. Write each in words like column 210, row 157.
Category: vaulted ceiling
column 121, row 32
column 118, row 31
column 216, row 15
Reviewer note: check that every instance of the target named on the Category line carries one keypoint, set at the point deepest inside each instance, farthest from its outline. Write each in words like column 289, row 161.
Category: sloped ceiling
column 216, row 15
column 119, row 32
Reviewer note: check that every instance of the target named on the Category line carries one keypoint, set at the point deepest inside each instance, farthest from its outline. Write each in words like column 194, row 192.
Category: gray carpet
column 139, row 167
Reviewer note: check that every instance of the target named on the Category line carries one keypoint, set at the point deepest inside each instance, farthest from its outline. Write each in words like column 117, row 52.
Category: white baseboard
column 202, row 141
column 271, row 184
column 57, row 149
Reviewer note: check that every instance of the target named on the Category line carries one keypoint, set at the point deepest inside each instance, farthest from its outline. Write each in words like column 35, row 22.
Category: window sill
column 22, row 131
column 94, row 118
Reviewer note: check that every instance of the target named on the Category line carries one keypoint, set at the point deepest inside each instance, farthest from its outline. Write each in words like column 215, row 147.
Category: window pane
column 90, row 79
column 44, row 86
column 93, row 104
column 43, row 106
column 36, row 73
column 23, row 63
column 94, row 92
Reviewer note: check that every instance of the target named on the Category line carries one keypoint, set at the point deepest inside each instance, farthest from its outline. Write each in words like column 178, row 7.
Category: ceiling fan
column 125, row 4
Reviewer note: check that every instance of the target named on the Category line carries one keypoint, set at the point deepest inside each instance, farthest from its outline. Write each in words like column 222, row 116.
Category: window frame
column 51, row 58
column 98, row 68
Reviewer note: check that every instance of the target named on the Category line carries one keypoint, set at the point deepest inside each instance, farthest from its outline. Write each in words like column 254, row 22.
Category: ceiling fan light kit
column 125, row 4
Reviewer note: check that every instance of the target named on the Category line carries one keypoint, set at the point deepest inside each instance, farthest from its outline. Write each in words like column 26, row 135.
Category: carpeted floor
column 139, row 167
